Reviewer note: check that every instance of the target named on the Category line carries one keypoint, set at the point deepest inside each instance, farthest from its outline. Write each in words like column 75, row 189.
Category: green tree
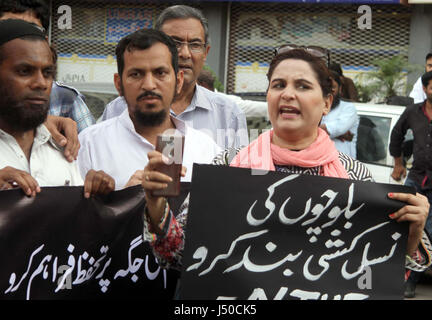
column 386, row 80
column 217, row 84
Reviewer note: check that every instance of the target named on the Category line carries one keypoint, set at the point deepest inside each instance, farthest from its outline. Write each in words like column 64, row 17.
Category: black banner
column 279, row 236
column 60, row 245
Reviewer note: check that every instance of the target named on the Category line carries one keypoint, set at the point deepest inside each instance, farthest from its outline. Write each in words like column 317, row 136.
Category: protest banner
column 280, row 236
column 60, row 245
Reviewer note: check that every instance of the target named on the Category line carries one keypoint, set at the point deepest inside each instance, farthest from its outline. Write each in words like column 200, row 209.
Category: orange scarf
column 263, row 154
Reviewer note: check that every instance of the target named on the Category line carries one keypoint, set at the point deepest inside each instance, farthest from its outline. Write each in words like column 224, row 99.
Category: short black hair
column 206, row 77
column 428, row 56
column 335, row 76
column 426, row 78
column 39, row 7
column 336, row 67
column 144, row 39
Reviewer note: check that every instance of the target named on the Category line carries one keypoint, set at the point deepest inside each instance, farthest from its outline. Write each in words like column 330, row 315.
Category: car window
column 372, row 139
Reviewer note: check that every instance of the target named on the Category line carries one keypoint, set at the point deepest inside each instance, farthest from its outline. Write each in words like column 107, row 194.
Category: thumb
column 59, row 138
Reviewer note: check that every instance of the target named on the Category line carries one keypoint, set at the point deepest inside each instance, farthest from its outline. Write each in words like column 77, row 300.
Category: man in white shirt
column 29, row 156
column 417, row 92
column 342, row 122
column 210, row 112
column 148, row 78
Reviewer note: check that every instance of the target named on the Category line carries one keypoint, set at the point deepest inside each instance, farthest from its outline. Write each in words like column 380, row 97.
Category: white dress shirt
column 116, row 148
column 338, row 121
column 210, row 112
column 47, row 164
column 417, row 92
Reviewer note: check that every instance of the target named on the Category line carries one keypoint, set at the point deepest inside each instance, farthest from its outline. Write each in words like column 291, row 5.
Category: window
column 372, row 139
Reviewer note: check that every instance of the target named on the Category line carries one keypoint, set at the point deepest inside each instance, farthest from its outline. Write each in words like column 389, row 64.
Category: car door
column 376, row 123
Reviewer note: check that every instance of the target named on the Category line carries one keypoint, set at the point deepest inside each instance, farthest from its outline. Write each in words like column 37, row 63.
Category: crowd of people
column 314, row 130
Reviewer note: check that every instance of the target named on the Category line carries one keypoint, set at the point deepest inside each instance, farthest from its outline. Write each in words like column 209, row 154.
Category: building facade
column 243, row 36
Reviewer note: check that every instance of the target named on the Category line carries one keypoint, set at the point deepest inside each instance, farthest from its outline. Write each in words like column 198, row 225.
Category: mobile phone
column 171, row 146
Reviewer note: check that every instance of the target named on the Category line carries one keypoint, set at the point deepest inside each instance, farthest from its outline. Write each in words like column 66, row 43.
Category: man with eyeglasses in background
column 204, row 110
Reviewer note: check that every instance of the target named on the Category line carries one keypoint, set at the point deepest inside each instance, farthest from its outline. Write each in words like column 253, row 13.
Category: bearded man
column 30, row 158
column 148, row 78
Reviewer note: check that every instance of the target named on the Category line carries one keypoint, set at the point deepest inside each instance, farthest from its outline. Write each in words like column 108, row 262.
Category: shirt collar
column 41, row 137
column 423, row 108
column 199, row 100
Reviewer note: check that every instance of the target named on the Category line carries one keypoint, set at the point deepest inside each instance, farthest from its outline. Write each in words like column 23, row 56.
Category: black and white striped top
column 355, row 169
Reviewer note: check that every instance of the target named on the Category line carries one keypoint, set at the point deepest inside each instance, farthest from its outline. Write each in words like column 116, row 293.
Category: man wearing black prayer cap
column 29, row 156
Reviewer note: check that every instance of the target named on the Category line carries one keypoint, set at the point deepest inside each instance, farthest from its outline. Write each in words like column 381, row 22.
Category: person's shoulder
column 197, row 134
column 218, row 99
column 200, row 138
column 119, row 101
column 347, row 103
column 58, row 85
column 98, row 130
column 356, row 170
column 65, row 91
column 413, row 107
column 347, row 79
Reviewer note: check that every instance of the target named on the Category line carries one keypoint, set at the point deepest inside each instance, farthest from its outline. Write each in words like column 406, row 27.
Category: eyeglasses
column 319, row 52
column 195, row 47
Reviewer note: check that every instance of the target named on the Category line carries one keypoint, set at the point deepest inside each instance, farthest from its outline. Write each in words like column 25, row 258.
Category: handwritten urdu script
column 292, row 237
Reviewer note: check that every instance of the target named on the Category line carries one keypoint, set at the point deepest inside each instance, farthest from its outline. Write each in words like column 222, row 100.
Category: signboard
column 73, row 68
column 60, row 245
column 121, row 22
column 251, row 77
column 280, row 236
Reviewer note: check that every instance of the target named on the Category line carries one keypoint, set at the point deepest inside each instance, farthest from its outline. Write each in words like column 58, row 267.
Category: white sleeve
column 417, row 92
column 344, row 121
column 77, row 179
column 84, row 158
column 114, row 108
column 253, row 108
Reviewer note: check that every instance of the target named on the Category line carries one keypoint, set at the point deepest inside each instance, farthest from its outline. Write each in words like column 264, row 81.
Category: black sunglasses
column 319, row 52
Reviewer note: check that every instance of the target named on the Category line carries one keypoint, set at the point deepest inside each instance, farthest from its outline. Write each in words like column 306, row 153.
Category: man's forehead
column 25, row 50
column 184, row 29
column 157, row 55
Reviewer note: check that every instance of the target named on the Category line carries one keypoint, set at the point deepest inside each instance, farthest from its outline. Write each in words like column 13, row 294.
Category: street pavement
column 423, row 292
column 424, row 287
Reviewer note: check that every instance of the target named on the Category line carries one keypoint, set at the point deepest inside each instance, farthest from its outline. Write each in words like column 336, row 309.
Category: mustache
column 149, row 94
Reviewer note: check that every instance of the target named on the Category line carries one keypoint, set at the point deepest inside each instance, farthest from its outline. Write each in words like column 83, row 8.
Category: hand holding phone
column 171, row 147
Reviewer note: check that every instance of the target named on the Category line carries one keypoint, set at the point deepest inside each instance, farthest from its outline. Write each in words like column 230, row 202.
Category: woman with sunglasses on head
column 298, row 95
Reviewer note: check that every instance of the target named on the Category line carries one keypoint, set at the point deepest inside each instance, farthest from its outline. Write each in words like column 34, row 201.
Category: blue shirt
column 210, row 112
column 338, row 121
column 66, row 102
